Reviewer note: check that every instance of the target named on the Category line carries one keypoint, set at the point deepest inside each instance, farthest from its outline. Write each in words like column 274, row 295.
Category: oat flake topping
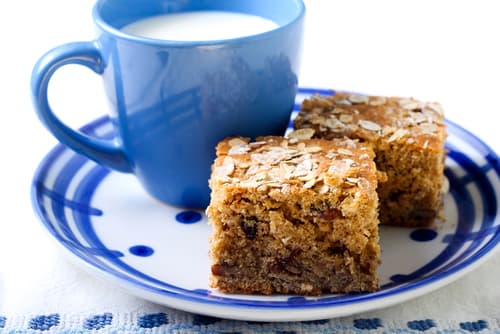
column 369, row 125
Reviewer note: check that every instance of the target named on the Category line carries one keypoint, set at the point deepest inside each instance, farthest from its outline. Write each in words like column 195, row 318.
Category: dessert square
column 294, row 216
column 408, row 137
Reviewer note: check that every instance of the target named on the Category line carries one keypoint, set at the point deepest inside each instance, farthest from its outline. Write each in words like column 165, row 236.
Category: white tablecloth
column 447, row 51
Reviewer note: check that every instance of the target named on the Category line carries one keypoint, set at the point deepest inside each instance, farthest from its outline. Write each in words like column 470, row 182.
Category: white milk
column 200, row 26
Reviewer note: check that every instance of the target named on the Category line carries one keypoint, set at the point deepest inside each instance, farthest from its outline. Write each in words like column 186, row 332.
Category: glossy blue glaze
column 141, row 250
column 173, row 101
column 188, row 217
column 423, row 235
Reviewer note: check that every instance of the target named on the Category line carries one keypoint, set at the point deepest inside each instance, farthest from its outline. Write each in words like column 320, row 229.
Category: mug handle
column 104, row 152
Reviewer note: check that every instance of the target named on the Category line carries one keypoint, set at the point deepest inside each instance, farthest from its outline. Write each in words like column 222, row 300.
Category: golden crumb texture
column 294, row 215
column 408, row 138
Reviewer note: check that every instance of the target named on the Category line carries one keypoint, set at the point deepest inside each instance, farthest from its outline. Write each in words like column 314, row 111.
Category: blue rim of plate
column 483, row 242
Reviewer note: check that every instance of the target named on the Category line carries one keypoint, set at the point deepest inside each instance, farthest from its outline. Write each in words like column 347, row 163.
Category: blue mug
column 173, row 101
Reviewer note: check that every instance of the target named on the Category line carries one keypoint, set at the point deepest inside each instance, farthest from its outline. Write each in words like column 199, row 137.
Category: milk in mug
column 200, row 26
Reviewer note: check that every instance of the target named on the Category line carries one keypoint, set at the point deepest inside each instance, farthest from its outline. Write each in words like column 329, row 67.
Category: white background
column 448, row 51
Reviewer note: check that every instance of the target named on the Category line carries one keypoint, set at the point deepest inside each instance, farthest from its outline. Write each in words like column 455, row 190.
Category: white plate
column 109, row 225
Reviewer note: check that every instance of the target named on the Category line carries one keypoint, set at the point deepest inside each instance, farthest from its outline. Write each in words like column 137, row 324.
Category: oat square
column 294, row 216
column 408, row 137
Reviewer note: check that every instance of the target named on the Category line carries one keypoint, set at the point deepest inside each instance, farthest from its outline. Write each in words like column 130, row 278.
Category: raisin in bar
column 408, row 138
column 294, row 216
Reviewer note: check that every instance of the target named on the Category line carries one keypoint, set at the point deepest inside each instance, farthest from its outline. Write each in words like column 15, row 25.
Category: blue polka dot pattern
column 98, row 321
column 373, row 323
column 474, row 326
column 423, row 235
column 152, row 320
column 421, row 325
column 141, row 250
column 188, row 217
column 2, row 322
column 203, row 320
column 44, row 322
